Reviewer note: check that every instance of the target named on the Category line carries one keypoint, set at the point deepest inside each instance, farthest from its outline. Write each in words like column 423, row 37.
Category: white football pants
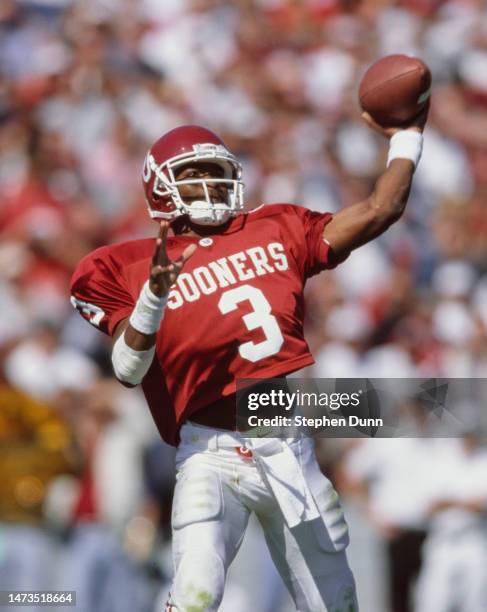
column 454, row 573
column 218, row 485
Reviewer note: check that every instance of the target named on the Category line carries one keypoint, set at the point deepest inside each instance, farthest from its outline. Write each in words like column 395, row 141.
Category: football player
column 221, row 299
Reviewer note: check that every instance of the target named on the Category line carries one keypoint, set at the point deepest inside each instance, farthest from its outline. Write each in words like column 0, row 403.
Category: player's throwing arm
column 394, row 95
column 134, row 348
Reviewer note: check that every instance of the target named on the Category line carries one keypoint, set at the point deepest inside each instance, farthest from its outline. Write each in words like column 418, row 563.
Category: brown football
column 395, row 89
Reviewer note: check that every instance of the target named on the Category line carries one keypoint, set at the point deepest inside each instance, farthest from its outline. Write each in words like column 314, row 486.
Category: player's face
column 202, row 170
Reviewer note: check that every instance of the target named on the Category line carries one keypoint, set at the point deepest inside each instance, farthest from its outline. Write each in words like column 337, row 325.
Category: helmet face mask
column 162, row 188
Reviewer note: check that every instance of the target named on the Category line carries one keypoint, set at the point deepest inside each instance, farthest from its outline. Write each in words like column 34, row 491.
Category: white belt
column 278, row 463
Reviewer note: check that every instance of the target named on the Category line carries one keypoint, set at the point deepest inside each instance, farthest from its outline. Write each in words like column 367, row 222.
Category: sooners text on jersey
column 235, row 311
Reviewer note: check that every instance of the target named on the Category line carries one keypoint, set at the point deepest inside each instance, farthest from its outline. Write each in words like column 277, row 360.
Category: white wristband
column 129, row 365
column 406, row 144
column 147, row 314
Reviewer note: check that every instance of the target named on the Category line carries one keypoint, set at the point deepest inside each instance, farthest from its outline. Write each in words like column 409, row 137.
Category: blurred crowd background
column 85, row 88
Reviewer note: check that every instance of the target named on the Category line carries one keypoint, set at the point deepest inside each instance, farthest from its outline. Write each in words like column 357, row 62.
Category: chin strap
column 201, row 214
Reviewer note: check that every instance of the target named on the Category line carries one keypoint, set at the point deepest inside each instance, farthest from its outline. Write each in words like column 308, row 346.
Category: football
column 395, row 89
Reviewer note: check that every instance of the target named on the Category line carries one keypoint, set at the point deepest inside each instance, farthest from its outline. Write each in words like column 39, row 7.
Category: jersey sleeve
column 316, row 250
column 99, row 292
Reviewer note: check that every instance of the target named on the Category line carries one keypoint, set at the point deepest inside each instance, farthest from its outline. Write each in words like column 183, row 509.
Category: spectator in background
column 103, row 512
column 390, row 480
column 35, row 448
column 42, row 367
column 454, row 572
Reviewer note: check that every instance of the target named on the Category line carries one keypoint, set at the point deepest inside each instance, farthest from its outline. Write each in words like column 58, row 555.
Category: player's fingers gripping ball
column 395, row 90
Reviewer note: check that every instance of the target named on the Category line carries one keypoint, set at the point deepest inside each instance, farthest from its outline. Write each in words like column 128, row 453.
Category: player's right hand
column 417, row 123
column 163, row 271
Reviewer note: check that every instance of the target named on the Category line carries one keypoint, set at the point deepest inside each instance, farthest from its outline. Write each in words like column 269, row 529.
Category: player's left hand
column 163, row 271
column 417, row 123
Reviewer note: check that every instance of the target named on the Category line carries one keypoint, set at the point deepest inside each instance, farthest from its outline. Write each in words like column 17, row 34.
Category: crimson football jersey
column 235, row 311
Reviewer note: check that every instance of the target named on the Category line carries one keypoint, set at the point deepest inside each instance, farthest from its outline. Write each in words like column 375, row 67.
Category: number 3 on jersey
column 261, row 316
